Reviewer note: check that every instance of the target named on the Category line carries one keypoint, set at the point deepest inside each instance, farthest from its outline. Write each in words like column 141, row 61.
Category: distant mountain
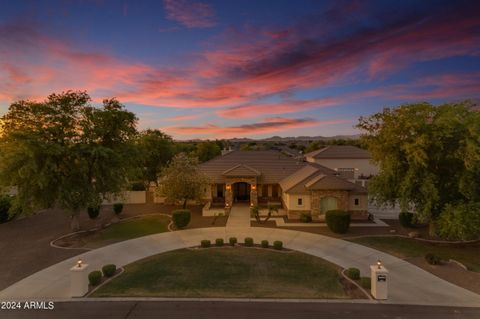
column 285, row 139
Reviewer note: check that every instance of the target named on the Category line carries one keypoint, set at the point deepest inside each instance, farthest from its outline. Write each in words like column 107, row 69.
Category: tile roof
column 339, row 151
column 241, row 170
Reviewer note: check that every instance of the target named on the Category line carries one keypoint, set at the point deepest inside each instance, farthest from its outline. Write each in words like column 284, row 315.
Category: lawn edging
column 369, row 296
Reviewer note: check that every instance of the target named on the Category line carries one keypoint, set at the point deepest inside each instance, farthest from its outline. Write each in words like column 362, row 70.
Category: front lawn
column 141, row 226
column 406, row 247
column 228, row 272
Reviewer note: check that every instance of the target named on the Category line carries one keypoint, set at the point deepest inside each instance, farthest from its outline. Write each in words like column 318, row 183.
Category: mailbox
column 379, row 280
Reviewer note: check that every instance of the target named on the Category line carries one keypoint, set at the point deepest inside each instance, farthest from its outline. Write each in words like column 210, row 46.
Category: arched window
column 328, row 203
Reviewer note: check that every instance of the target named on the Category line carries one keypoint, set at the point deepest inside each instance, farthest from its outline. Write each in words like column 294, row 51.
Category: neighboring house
column 270, row 177
column 351, row 162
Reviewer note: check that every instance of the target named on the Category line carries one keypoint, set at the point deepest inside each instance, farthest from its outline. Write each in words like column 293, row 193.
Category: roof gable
column 241, row 170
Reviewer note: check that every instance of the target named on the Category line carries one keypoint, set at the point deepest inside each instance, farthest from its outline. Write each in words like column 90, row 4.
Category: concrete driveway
column 408, row 284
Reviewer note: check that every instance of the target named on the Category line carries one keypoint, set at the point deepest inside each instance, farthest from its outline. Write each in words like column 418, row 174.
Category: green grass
column 136, row 227
column 228, row 272
column 406, row 247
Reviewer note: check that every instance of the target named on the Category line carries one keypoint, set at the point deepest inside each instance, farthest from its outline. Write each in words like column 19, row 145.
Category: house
column 270, row 177
column 351, row 162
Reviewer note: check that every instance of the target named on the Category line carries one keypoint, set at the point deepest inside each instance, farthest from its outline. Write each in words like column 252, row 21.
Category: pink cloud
column 191, row 14
column 182, row 118
column 269, row 125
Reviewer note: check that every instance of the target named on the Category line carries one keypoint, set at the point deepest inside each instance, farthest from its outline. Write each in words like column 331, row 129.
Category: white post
column 78, row 280
column 379, row 280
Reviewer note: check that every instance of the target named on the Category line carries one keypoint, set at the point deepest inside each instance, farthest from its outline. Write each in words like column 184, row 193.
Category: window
column 300, row 201
column 275, row 191
column 357, row 201
column 220, row 190
column 265, row 190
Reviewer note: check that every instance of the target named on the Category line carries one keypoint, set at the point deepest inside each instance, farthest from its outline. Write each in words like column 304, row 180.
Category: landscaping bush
column 109, row 270
column 405, row 219
column 181, row 218
column 95, row 277
column 338, row 221
column 432, row 259
column 306, row 218
column 264, row 244
column 93, row 212
column 366, row 282
column 249, row 241
column 205, row 243
column 5, row 205
column 232, row 240
column 137, row 186
column 353, row 273
column 117, row 208
column 219, row 242
column 459, row 222
column 278, row 245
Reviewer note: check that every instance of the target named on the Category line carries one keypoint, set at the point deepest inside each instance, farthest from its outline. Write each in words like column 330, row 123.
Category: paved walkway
column 408, row 284
column 239, row 216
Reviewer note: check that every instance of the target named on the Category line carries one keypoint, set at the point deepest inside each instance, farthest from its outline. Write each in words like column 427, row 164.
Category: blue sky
column 216, row 69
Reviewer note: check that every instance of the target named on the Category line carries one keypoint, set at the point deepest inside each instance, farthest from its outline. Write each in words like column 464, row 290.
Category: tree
column 208, row 150
column 63, row 152
column 182, row 180
column 429, row 157
column 155, row 150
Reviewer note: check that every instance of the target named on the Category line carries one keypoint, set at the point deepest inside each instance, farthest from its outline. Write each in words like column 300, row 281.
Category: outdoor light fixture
column 379, row 264
column 254, row 187
column 228, row 187
column 79, row 263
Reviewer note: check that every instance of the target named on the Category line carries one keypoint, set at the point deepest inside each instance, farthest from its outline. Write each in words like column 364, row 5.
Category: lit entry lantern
column 228, row 187
column 254, row 187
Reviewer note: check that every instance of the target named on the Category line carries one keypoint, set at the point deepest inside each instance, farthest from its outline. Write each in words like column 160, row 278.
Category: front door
column 242, row 192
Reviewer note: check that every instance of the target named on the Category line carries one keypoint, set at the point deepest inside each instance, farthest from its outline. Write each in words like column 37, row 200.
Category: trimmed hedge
column 264, row 244
column 306, row 218
column 232, row 241
column 278, row 245
column 249, row 241
column 205, row 243
column 109, row 270
column 117, row 208
column 181, row 218
column 353, row 273
column 93, row 212
column 405, row 219
column 366, row 282
column 338, row 221
column 432, row 259
column 95, row 277
column 219, row 242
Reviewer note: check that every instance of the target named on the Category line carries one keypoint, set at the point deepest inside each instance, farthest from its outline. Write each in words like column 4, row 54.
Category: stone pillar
column 379, row 280
column 253, row 194
column 228, row 195
column 79, row 280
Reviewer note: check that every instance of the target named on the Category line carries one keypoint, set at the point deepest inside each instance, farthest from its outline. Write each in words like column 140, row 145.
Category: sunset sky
column 220, row 69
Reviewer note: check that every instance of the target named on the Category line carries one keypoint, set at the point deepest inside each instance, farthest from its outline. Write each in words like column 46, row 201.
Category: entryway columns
column 228, row 195
column 253, row 194
column 229, row 181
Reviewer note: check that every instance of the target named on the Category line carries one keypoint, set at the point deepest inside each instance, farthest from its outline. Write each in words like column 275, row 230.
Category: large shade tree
column 155, row 150
column 208, row 150
column 429, row 158
column 64, row 152
column 182, row 180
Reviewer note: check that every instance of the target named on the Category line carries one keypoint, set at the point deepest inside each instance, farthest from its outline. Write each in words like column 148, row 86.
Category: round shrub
column 264, row 244
column 117, row 208
column 366, row 282
column 306, row 218
column 338, row 221
column 205, row 243
column 93, row 212
column 232, row 241
column 219, row 242
column 95, row 277
column 432, row 259
column 353, row 273
column 109, row 270
column 249, row 241
column 405, row 219
column 278, row 245
column 181, row 218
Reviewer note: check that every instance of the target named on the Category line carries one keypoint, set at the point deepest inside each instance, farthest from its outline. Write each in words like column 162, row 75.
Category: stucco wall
column 364, row 166
column 291, row 201
column 362, row 203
